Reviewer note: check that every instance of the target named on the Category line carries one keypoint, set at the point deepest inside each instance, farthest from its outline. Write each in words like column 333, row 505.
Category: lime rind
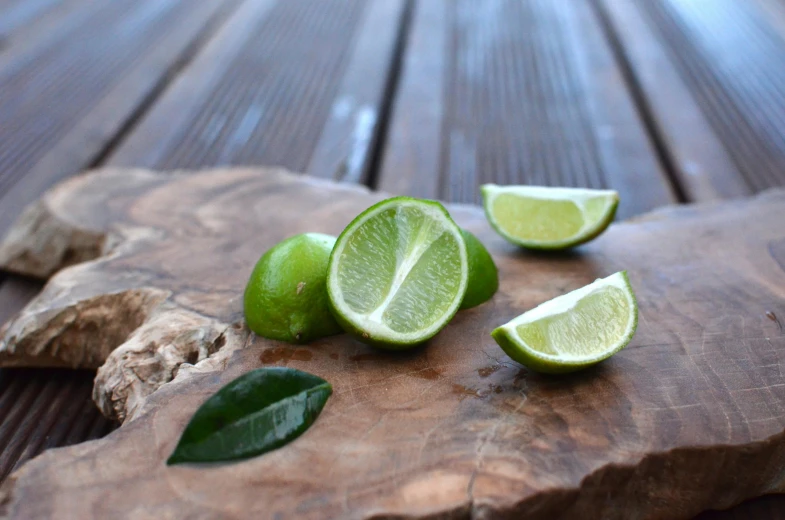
column 591, row 228
column 369, row 326
column 285, row 298
column 514, row 346
column 483, row 274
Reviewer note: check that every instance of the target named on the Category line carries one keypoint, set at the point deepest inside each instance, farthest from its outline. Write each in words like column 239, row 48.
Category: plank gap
column 190, row 52
column 641, row 102
column 391, row 90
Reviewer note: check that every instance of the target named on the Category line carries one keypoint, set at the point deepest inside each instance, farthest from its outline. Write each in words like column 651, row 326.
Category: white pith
column 564, row 304
column 580, row 196
column 372, row 322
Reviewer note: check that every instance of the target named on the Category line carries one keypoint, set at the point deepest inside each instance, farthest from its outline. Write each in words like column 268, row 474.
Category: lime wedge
column 483, row 275
column 398, row 273
column 575, row 330
column 538, row 217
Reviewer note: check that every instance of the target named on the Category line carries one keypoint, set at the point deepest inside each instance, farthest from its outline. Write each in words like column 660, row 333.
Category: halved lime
column 575, row 330
column 398, row 273
column 483, row 275
column 539, row 217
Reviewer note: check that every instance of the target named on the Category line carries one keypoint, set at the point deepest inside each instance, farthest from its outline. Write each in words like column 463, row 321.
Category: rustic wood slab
column 690, row 416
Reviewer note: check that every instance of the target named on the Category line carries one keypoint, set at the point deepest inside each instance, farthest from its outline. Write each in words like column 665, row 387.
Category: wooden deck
column 667, row 101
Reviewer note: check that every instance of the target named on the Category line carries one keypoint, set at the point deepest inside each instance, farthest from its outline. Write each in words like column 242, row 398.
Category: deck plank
column 63, row 99
column 705, row 169
column 527, row 92
column 283, row 83
column 713, row 72
column 16, row 14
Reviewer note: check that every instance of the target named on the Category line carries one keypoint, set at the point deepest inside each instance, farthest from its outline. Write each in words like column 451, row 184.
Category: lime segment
column 398, row 273
column 538, row 217
column 575, row 330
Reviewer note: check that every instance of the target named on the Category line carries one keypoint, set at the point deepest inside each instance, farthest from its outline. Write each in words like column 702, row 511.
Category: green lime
column 537, row 217
column 483, row 276
column 285, row 298
column 398, row 273
column 575, row 330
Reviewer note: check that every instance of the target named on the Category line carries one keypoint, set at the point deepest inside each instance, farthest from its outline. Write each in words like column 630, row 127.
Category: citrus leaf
column 256, row 413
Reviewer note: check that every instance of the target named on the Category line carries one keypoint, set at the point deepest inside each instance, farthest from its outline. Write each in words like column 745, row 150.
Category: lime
column 483, row 276
column 537, row 217
column 575, row 330
column 285, row 298
column 398, row 273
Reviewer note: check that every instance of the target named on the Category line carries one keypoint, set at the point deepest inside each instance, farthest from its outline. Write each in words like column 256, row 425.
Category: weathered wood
column 293, row 83
column 516, row 93
column 63, row 97
column 729, row 55
column 699, row 158
column 43, row 409
column 770, row 507
column 343, row 152
column 689, row 416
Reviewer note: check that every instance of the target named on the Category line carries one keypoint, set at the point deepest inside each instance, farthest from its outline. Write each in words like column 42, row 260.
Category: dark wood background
column 667, row 101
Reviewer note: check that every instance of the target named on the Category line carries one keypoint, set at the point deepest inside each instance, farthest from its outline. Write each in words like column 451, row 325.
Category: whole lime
column 286, row 296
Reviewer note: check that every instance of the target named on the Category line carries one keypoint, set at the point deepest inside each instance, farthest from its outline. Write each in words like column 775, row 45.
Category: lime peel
column 285, row 298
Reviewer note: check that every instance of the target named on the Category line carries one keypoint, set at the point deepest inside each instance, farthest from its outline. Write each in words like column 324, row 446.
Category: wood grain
column 699, row 158
column 294, row 83
column 19, row 16
column 688, row 417
column 516, row 93
column 63, row 97
column 728, row 54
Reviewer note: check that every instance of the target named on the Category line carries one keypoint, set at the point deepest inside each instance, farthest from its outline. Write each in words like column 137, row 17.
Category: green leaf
column 256, row 413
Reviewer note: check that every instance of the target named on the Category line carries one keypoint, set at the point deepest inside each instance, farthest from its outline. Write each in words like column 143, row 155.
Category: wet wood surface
column 665, row 100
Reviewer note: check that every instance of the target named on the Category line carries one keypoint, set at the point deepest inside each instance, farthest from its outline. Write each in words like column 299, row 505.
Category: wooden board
column 516, row 93
column 690, row 416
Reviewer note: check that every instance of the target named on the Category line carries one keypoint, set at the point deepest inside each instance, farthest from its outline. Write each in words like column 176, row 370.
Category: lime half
column 398, row 273
column 483, row 275
column 575, row 330
column 538, row 217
